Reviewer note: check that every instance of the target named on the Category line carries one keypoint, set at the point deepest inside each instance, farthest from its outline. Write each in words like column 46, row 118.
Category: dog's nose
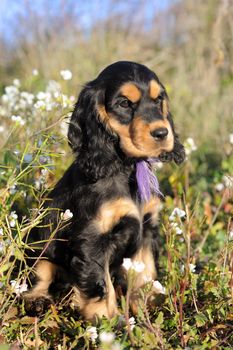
column 160, row 133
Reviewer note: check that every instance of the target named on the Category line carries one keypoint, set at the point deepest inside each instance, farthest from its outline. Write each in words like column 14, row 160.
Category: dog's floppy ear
column 75, row 133
column 84, row 111
column 178, row 153
column 84, row 106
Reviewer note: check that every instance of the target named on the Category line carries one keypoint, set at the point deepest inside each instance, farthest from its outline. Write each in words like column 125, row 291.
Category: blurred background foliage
column 188, row 43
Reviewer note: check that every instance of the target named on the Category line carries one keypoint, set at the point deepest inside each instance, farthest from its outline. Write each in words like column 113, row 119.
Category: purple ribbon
column 146, row 180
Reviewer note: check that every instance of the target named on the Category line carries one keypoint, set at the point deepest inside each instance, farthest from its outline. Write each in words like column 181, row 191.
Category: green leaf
column 159, row 319
column 201, row 320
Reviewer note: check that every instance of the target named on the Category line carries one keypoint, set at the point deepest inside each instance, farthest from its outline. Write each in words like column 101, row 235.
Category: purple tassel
column 146, row 180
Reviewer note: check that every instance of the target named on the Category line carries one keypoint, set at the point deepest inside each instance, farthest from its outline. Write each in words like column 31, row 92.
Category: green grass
column 195, row 261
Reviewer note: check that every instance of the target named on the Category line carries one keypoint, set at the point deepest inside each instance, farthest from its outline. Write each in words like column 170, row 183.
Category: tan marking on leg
column 154, row 89
column 45, row 272
column 131, row 91
column 152, row 207
column 110, row 213
column 93, row 308
column 145, row 256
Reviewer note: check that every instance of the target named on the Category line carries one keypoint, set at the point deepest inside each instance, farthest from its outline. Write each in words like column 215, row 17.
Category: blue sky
column 10, row 9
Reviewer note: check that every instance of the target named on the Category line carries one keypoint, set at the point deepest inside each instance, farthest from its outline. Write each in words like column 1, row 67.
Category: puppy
column 120, row 121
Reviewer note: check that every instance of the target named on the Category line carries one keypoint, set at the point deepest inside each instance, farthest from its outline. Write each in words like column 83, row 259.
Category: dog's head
column 128, row 102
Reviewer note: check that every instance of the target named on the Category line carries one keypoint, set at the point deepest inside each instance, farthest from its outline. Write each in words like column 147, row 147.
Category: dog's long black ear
column 178, row 153
column 75, row 133
column 84, row 111
column 77, row 125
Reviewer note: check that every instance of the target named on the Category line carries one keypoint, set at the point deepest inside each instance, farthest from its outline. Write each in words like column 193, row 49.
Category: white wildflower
column 158, row 288
column 18, row 119
column 127, row 263
column 2, row 128
column 132, row 323
column 11, row 90
column 228, row 181
column 219, row 187
column 44, row 172
column 2, row 247
column 40, row 105
column 38, row 184
column 138, row 266
column 66, row 215
column 54, row 88
column 18, row 288
column 176, row 228
column 231, row 138
column 177, row 212
column 192, row 268
column 35, row 72
column 231, row 235
column 16, row 82
column 190, row 146
column 27, row 97
column 14, row 215
column 13, row 218
column 12, row 223
column 12, row 189
column 5, row 98
column 106, row 337
column 42, row 95
column 66, row 74
column 178, row 231
column 92, row 333
column 158, row 165
column 1, row 231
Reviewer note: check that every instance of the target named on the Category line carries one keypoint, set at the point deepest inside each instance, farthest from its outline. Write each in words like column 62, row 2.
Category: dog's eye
column 125, row 103
column 159, row 99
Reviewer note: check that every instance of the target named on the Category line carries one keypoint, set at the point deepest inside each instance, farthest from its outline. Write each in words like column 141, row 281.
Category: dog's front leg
column 113, row 234
column 148, row 252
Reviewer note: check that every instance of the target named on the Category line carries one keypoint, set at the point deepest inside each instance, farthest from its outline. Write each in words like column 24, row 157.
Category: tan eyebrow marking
column 154, row 89
column 131, row 91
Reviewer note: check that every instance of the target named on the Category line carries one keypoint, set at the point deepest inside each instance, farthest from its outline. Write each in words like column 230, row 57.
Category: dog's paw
column 37, row 306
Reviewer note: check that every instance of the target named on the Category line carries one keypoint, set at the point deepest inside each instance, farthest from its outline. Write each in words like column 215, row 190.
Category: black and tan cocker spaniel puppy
column 121, row 120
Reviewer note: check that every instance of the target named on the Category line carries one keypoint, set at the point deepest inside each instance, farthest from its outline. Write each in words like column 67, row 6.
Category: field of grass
column 191, row 304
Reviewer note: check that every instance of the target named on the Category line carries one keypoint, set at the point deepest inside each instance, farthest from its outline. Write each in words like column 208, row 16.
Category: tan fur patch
column 141, row 137
column 165, row 108
column 145, row 256
column 92, row 308
column 154, row 89
column 110, row 213
column 131, row 91
column 152, row 207
column 45, row 272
